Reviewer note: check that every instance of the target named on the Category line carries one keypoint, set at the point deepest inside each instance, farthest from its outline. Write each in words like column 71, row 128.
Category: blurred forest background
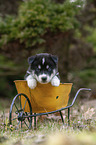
column 60, row 27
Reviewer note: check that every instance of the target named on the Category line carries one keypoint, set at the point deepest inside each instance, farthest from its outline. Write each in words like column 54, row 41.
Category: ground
column 90, row 103
column 82, row 130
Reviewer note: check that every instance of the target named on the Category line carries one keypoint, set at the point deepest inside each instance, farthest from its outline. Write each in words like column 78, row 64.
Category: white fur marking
column 43, row 60
column 39, row 66
column 47, row 66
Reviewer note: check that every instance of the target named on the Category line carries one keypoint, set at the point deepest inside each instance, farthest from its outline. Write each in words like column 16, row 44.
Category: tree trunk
column 59, row 45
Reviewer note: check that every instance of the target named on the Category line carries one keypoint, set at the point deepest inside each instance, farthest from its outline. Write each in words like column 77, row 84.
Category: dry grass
column 50, row 131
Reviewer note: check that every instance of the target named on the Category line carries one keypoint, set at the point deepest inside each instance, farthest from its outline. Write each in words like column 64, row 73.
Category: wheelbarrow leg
column 61, row 117
column 34, row 121
column 68, row 116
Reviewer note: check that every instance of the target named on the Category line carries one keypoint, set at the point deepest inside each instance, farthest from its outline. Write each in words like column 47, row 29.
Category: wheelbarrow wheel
column 18, row 118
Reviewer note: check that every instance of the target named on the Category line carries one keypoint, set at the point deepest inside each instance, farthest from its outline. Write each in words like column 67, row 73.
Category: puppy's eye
column 37, row 69
column 49, row 69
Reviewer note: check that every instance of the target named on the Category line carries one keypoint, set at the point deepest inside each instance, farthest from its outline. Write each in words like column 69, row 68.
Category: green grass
column 50, row 131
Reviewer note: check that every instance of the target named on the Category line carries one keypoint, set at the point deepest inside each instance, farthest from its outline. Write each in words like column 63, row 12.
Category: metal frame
column 59, row 110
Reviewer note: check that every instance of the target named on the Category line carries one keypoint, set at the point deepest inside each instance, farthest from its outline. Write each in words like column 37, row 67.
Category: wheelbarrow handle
column 81, row 89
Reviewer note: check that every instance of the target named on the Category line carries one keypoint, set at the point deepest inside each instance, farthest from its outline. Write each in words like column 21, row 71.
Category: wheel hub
column 21, row 116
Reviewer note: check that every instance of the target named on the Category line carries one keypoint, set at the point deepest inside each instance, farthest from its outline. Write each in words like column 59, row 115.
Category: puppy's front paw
column 32, row 83
column 55, row 81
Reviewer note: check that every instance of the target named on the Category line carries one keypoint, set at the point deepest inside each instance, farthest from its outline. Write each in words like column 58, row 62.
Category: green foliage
column 88, row 76
column 6, row 66
column 92, row 38
column 36, row 18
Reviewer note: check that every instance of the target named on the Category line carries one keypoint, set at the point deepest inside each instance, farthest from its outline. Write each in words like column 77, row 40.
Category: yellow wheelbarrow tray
column 43, row 100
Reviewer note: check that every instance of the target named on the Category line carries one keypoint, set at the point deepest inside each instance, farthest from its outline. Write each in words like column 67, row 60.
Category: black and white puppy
column 43, row 68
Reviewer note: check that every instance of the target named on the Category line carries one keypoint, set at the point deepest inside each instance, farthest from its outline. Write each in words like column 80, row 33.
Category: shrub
column 36, row 18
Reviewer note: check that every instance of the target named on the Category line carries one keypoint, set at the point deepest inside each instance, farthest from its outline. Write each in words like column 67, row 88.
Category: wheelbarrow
column 43, row 100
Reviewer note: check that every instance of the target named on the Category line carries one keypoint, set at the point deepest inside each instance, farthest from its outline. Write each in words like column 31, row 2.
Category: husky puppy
column 43, row 68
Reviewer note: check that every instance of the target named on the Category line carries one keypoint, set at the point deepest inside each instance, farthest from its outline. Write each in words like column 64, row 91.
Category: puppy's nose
column 44, row 79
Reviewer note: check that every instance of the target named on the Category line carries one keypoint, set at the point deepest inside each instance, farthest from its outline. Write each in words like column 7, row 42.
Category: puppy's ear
column 54, row 58
column 31, row 59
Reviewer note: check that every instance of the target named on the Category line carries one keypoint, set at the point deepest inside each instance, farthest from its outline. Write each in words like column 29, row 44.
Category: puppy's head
column 43, row 67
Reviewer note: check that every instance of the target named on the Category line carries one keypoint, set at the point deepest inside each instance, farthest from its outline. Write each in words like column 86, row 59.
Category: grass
column 4, row 104
column 50, row 130
column 49, row 136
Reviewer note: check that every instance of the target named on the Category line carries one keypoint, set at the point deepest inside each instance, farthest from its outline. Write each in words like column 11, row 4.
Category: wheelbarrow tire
column 20, row 115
